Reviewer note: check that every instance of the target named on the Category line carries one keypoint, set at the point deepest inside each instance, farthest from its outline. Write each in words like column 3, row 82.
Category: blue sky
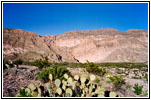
column 57, row 18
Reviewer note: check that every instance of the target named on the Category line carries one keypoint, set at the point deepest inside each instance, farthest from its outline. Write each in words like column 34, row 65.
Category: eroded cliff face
column 102, row 45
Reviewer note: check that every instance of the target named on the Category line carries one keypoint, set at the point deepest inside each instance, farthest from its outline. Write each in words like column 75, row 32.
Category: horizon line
column 72, row 30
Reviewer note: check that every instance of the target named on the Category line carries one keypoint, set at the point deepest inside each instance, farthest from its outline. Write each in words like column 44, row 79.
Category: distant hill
column 101, row 45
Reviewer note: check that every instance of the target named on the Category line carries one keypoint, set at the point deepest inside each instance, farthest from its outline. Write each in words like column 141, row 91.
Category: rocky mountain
column 29, row 46
column 101, row 45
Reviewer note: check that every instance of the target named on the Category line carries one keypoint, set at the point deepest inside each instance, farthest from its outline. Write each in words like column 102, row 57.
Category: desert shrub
column 44, row 75
column 42, row 62
column 137, row 89
column 67, row 64
column 11, row 95
column 94, row 68
column 145, row 93
column 146, row 77
column 124, row 65
column 18, row 62
column 97, row 80
column 128, row 86
column 117, row 81
column 56, row 71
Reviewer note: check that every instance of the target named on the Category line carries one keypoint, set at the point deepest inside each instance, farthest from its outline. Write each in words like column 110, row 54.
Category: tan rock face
column 101, row 45
column 106, row 45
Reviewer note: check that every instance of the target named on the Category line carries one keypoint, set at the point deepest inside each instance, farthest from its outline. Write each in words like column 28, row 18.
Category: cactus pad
column 76, row 77
column 100, row 95
column 50, row 77
column 73, row 84
column 65, row 76
column 32, row 87
column 112, row 94
column 69, row 80
column 63, row 87
column 7, row 65
column 82, row 78
column 59, row 91
column 57, row 82
column 34, row 94
column 48, row 85
column 64, row 82
column 69, row 91
column 92, row 77
column 27, row 90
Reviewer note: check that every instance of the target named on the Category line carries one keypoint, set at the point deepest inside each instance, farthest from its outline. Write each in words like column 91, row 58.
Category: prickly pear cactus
column 79, row 86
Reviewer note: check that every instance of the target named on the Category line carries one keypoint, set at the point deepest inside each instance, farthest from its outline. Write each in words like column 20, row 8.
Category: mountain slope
column 101, row 45
column 28, row 46
column 106, row 45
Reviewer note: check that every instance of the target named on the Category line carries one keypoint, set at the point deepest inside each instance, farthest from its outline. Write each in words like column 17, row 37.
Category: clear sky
column 57, row 18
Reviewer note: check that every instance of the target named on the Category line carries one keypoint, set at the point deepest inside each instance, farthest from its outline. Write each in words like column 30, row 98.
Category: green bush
column 18, row 62
column 117, row 81
column 56, row 71
column 44, row 75
column 94, row 68
column 138, row 89
column 42, row 62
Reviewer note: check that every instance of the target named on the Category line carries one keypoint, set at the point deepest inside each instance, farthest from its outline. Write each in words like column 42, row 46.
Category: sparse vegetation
column 128, row 86
column 56, row 71
column 97, row 80
column 138, row 89
column 80, row 86
column 43, row 76
column 146, row 77
column 18, row 62
column 124, row 65
column 52, row 73
column 117, row 81
column 23, row 93
column 94, row 68
column 42, row 62
column 145, row 93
